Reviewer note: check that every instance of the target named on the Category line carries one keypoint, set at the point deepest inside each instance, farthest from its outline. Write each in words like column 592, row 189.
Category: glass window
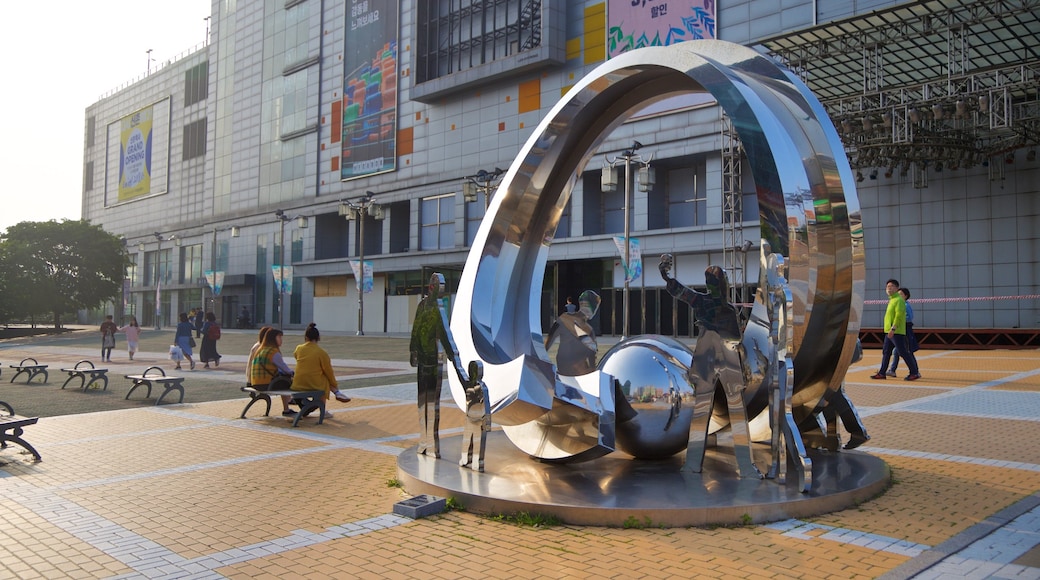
column 196, row 84
column 296, row 301
column 263, row 280
column 687, row 198
column 194, row 144
column 191, row 264
column 437, row 219
column 474, row 215
column 455, row 36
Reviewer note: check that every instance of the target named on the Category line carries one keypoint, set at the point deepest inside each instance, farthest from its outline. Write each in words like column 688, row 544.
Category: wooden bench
column 158, row 376
column 11, row 430
column 31, row 369
column 82, row 370
column 308, row 401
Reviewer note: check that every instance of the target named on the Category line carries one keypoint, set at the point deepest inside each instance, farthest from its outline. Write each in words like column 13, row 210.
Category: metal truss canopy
column 939, row 82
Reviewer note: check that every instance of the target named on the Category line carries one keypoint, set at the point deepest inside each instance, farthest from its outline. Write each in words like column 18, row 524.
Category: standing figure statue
column 478, row 419
column 577, row 353
column 716, row 361
column 431, row 341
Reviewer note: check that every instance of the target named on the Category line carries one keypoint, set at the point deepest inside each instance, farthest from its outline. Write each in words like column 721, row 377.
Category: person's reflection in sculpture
column 716, row 360
column 431, row 337
column 577, row 352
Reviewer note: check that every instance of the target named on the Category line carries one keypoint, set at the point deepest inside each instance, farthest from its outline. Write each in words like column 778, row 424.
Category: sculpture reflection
column 577, row 352
column 716, row 362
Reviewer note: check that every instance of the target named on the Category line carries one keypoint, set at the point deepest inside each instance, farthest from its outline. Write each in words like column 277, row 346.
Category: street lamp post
column 629, row 155
column 482, row 182
column 358, row 209
column 213, row 267
column 301, row 222
column 158, row 273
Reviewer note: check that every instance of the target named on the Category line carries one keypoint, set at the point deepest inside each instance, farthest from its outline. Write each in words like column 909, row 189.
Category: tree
column 55, row 268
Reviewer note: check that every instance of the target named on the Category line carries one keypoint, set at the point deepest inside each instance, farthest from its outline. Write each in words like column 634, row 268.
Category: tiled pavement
column 191, row 491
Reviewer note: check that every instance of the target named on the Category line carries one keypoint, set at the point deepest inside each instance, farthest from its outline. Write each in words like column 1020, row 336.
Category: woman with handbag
column 267, row 367
column 184, row 340
column 314, row 368
column 210, row 336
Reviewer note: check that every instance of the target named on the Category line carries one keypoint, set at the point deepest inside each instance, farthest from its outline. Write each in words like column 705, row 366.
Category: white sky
column 56, row 59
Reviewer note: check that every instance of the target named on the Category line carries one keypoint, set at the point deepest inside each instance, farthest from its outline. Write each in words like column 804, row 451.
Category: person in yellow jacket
column 895, row 331
column 314, row 367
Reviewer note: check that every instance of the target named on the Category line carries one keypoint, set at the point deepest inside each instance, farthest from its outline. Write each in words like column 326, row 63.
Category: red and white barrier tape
column 965, row 299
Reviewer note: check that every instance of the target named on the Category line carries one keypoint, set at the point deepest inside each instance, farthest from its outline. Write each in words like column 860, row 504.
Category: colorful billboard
column 638, row 23
column 369, row 122
column 135, row 154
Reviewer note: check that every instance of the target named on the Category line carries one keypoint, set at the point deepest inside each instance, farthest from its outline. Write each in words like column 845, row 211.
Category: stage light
column 1031, row 156
column 873, row 173
column 937, row 112
column 983, row 103
column 915, row 115
column 962, row 108
column 859, row 176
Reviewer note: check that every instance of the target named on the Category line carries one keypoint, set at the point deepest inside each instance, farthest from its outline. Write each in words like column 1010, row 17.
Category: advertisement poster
column 635, row 257
column 215, row 279
column 369, row 140
column 135, row 154
column 638, row 23
column 283, row 276
column 355, row 266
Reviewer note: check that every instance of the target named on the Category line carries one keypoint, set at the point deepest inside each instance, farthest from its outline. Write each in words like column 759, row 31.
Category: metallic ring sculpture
column 808, row 211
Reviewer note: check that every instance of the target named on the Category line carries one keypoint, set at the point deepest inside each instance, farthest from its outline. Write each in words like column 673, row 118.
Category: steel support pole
column 361, row 270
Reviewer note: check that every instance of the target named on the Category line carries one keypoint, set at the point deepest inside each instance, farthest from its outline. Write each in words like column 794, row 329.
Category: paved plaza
column 127, row 489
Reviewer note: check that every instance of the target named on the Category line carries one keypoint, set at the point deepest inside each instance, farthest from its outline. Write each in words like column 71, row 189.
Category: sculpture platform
column 616, row 489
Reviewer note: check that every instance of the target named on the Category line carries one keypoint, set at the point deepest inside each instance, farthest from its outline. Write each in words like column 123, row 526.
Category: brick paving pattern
column 127, row 489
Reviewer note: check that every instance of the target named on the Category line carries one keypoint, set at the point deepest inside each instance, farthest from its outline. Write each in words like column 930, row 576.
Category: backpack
column 214, row 332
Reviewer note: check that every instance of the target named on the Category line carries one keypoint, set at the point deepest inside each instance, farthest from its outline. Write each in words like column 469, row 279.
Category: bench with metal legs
column 32, row 369
column 158, row 376
column 83, row 370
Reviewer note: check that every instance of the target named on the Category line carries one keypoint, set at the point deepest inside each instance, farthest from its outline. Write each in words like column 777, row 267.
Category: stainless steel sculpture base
column 616, row 489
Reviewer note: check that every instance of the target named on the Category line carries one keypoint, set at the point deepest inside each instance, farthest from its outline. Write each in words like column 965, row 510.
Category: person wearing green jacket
column 895, row 331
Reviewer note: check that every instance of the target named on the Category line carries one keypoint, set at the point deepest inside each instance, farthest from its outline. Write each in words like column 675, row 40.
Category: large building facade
column 311, row 136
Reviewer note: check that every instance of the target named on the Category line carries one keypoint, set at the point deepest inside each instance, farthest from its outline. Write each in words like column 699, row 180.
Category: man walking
column 895, row 330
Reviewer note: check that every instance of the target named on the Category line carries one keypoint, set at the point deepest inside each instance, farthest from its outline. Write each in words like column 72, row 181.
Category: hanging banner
column 135, row 154
column 638, row 23
column 355, row 267
column 634, row 255
column 369, row 117
column 283, row 276
column 215, row 279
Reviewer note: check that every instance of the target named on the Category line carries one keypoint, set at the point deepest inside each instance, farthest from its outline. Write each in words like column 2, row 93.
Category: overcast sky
column 56, row 65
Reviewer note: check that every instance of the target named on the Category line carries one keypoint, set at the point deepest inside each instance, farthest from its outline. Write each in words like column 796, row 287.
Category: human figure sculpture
column 478, row 420
column 716, row 361
column 577, row 352
column 431, row 339
column 775, row 294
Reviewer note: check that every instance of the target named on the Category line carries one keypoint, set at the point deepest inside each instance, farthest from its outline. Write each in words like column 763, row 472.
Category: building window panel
column 437, row 222
column 455, row 36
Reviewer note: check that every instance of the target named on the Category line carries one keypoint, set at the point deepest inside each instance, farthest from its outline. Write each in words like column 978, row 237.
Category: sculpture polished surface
column 808, row 210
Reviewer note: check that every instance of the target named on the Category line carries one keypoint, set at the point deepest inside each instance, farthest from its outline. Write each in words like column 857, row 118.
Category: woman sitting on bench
column 314, row 368
column 267, row 363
